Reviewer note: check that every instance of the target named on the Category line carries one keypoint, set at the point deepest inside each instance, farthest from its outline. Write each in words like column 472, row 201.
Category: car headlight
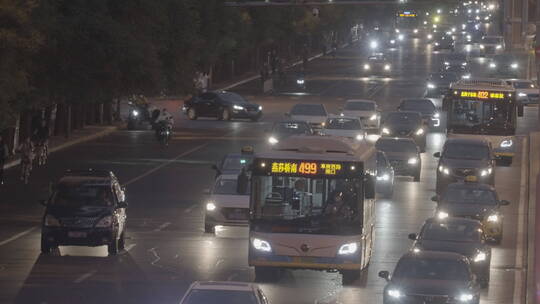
column 400, row 37
column 492, row 65
column 507, row 143
column 412, row 161
column 210, row 206
column 366, row 66
column 430, row 85
column 480, row 257
column 466, row 76
column 444, row 170
column 360, row 137
column 384, row 177
column 416, row 250
column 236, row 107
column 300, row 81
column 415, row 31
column 386, row 67
column 436, row 43
column 463, row 63
column 420, row 131
column 373, row 44
column 394, row 293
column 260, row 108
column 373, row 117
column 397, row 30
column 51, row 221
column 392, row 41
column 349, row 248
column 272, row 140
column 498, row 47
column 442, row 215
column 385, row 131
column 486, row 172
column 514, row 65
column 261, row 245
column 493, row 218
column 105, row 221
column 436, row 115
column 135, row 113
column 521, row 94
column 429, row 36
column 482, row 46
column 446, row 63
column 466, row 297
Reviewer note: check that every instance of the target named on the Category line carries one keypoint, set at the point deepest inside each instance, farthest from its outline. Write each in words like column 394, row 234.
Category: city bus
column 312, row 207
column 407, row 23
column 486, row 108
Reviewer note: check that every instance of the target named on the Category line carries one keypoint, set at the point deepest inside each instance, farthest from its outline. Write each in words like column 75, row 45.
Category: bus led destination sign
column 482, row 94
column 306, row 168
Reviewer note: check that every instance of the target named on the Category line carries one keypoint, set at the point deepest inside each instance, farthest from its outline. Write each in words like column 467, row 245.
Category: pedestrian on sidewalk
column 4, row 153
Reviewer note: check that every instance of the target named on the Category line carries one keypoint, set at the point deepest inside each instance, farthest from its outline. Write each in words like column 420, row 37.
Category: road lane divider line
column 162, row 226
column 85, row 276
column 519, row 274
column 168, row 162
column 17, row 236
column 129, row 247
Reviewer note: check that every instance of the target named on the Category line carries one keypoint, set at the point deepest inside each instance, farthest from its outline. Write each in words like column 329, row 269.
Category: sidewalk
column 57, row 143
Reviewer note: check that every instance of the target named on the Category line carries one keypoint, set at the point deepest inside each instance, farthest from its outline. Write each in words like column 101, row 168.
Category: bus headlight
column 210, row 206
column 347, row 249
column 498, row 47
column 514, row 65
column 360, row 137
column 466, row 297
column 436, row 115
column 394, row 293
column 373, row 117
column 261, row 245
column 366, row 67
column 272, row 140
column 384, row 177
column 486, row 172
column 444, row 170
column 493, row 218
column 507, row 143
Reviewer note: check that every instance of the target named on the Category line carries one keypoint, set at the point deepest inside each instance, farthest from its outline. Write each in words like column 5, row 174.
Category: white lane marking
column 519, row 273
column 130, row 246
column 131, row 181
column 85, row 276
column 17, row 236
column 162, row 226
column 190, row 208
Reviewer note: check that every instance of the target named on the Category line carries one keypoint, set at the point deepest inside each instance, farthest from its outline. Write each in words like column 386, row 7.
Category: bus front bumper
column 306, row 262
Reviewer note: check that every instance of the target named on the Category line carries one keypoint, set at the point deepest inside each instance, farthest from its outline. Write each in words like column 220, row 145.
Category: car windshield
column 491, row 40
column 392, row 145
column 227, row 187
column 404, row 119
column 82, row 194
column 469, row 196
column 308, row 110
column 291, row 128
column 523, row 85
column 466, row 151
column 343, row 124
column 448, row 231
column 232, row 97
column 206, row 296
column 420, row 105
column 236, row 162
column 431, row 269
column 359, row 106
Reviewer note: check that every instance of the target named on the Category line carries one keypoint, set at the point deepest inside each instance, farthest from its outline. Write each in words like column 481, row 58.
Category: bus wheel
column 267, row 274
column 350, row 276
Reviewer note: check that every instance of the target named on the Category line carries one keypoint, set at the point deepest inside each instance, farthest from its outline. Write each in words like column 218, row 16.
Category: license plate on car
column 76, row 234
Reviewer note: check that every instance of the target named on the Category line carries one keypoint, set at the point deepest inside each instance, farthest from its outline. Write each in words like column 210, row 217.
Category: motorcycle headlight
column 486, row 172
column 385, row 131
column 442, row 215
column 51, row 221
column 412, row 161
column 239, row 108
column 210, row 206
column 347, row 249
column 373, row 117
column 444, row 170
column 480, row 257
column 514, row 65
column 105, row 222
column 420, row 131
column 366, row 66
column 135, row 113
column 272, row 140
column 507, row 143
column 386, row 67
column 261, row 245
column 300, row 81
column 493, row 218
column 394, row 293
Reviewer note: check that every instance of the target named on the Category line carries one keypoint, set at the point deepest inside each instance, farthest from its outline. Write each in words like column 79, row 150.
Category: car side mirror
column 435, row 198
column 413, row 236
column 504, row 203
column 385, row 275
column 437, row 154
column 123, row 204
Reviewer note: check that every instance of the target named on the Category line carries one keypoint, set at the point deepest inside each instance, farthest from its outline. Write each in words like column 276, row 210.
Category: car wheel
column 267, row 274
column 112, row 248
column 121, row 243
column 209, row 228
column 417, row 176
column 225, row 114
column 192, row 114
column 350, row 276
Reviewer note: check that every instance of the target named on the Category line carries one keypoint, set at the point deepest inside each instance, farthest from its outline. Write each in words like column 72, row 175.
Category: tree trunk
column 67, row 121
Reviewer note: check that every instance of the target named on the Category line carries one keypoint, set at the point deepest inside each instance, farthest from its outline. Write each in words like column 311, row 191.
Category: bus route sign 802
column 482, row 94
column 306, row 168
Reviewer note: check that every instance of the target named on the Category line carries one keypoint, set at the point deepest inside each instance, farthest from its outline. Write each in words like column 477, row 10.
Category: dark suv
column 222, row 105
column 86, row 208
column 465, row 159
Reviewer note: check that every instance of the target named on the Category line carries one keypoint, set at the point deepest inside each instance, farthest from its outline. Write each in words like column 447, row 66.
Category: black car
column 223, row 105
column 445, row 42
column 459, row 235
column 423, row 106
column 403, row 155
column 475, row 201
column 439, row 83
column 431, row 277
column 456, row 59
column 462, row 71
column 86, row 208
column 405, row 124
column 385, row 176
column 283, row 129
column 465, row 158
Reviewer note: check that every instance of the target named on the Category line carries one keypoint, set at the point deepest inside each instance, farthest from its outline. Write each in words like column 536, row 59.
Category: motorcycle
column 163, row 133
column 301, row 82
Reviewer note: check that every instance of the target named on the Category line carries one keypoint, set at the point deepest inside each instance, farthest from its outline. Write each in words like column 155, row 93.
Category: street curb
column 534, row 169
column 105, row 132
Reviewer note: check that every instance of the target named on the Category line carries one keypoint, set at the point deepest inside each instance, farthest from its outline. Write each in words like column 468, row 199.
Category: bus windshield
column 473, row 113
column 317, row 205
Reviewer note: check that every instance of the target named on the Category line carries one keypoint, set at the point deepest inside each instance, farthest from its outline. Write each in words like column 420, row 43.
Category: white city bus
column 312, row 206
column 484, row 108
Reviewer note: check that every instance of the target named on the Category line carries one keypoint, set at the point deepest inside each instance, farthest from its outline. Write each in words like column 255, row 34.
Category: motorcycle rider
column 164, row 121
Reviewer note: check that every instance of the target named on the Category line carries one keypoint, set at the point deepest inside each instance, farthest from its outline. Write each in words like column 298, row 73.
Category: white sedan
column 527, row 92
column 366, row 110
column 348, row 127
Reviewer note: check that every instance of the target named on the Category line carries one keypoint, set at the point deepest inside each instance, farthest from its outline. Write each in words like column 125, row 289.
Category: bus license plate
column 304, row 260
column 76, row 234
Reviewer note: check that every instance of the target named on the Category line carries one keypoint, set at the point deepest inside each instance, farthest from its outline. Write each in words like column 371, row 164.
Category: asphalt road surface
column 166, row 246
